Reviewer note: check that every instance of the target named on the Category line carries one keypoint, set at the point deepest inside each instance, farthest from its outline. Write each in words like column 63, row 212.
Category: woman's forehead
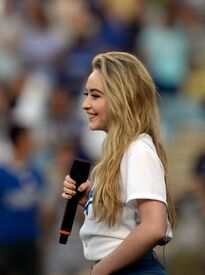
column 95, row 81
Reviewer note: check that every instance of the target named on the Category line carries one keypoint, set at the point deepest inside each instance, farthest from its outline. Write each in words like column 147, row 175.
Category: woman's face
column 96, row 103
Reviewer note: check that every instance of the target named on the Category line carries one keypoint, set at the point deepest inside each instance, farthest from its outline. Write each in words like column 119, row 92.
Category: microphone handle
column 70, row 211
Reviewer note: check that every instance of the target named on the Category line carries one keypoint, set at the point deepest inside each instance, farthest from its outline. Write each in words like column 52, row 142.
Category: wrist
column 84, row 198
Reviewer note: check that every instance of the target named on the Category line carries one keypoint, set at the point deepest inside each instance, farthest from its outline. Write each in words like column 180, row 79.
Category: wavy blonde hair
column 132, row 111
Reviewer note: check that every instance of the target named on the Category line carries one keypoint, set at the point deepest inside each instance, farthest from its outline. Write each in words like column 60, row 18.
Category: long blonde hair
column 132, row 111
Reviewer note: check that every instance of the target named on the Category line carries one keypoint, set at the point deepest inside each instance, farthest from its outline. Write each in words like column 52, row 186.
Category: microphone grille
column 80, row 170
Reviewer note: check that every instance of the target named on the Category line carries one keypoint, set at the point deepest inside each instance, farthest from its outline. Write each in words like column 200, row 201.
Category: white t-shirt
column 142, row 176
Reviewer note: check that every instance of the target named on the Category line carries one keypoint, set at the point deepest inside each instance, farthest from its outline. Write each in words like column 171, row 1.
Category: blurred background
column 46, row 48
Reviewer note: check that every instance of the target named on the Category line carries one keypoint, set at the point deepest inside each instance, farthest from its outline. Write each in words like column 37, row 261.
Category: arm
column 142, row 239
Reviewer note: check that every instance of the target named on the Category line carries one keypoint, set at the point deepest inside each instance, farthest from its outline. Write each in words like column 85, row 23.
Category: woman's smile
column 91, row 116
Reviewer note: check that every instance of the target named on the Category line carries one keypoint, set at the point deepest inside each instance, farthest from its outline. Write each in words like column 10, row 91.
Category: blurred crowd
column 46, row 48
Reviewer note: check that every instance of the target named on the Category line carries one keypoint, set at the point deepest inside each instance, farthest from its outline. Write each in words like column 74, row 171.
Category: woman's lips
column 91, row 115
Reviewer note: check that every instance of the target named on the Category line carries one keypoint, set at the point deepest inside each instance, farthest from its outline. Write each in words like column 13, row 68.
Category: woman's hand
column 69, row 190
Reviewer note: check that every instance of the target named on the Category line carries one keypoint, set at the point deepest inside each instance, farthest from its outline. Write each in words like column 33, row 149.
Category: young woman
column 128, row 209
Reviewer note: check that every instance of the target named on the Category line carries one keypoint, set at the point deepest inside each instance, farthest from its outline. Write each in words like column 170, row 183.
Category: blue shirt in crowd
column 20, row 192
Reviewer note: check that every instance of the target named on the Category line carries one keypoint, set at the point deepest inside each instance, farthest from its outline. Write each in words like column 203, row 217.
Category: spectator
column 11, row 27
column 165, row 48
column 41, row 45
column 21, row 186
column 61, row 123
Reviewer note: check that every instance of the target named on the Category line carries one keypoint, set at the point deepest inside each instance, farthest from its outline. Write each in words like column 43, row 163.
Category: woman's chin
column 94, row 127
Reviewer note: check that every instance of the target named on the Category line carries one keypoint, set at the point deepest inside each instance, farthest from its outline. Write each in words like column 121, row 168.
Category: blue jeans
column 147, row 265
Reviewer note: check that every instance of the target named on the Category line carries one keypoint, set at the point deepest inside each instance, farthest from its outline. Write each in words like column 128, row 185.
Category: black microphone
column 79, row 172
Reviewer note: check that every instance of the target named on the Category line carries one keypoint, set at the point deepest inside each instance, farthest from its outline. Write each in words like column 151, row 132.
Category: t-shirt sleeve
column 145, row 178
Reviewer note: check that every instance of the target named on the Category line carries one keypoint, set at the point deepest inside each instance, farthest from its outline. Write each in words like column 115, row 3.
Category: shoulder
column 142, row 144
column 143, row 152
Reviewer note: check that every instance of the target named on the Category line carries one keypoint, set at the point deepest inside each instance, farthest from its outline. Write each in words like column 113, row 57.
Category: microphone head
column 80, row 170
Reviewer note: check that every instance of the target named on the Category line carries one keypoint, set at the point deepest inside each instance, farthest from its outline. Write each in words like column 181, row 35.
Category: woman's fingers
column 69, row 188
column 69, row 191
column 66, row 196
column 69, row 179
column 84, row 186
column 69, row 185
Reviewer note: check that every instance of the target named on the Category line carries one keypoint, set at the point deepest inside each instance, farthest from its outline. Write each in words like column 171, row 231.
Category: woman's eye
column 91, row 95
column 95, row 95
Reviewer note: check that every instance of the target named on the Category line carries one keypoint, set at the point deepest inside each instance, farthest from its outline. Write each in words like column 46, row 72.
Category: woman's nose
column 86, row 104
